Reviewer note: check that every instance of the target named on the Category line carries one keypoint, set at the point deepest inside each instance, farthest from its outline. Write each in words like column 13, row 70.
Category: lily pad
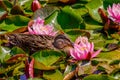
column 93, row 7
column 69, row 19
column 16, row 50
column 74, row 33
column 53, row 75
column 12, row 23
column 4, row 54
column 106, row 3
column 98, row 77
column 44, row 12
column 46, row 58
column 52, row 20
column 112, row 55
column 91, row 24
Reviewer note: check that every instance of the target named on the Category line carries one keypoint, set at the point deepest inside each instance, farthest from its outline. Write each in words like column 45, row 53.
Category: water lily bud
column 35, row 5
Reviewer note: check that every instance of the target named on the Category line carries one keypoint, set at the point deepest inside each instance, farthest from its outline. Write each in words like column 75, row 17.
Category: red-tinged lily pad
column 17, row 58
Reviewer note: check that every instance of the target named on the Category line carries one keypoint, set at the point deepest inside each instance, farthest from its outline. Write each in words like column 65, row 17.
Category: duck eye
column 59, row 43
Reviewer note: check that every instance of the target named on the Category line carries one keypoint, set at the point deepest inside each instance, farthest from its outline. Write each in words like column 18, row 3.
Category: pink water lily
column 83, row 50
column 114, row 12
column 39, row 28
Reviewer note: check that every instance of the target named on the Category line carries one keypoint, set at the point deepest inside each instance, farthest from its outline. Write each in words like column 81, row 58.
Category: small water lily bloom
column 114, row 12
column 83, row 49
column 35, row 5
column 39, row 28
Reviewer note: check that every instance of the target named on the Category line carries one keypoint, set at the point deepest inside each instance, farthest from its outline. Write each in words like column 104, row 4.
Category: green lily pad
column 4, row 54
column 93, row 7
column 44, row 12
column 45, row 59
column 112, row 55
column 8, row 4
column 52, row 20
column 106, row 3
column 53, row 75
column 14, row 22
column 69, row 19
column 74, row 33
column 91, row 24
column 98, row 77
column 18, row 20
column 16, row 50
column 41, row 66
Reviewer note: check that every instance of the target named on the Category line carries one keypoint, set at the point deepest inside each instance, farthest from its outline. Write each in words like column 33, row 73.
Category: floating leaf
column 52, row 20
column 12, row 23
column 98, row 77
column 18, row 20
column 46, row 58
column 4, row 54
column 53, row 75
column 112, row 55
column 41, row 66
column 8, row 4
column 16, row 50
column 69, row 19
column 74, row 33
column 17, row 10
column 106, row 3
column 44, row 12
column 91, row 24
column 16, row 71
column 93, row 7
column 17, row 58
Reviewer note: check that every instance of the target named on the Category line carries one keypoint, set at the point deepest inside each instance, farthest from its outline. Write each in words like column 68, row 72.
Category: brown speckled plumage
column 35, row 43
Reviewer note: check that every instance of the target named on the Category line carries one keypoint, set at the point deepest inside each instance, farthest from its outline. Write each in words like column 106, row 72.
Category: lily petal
column 96, row 53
